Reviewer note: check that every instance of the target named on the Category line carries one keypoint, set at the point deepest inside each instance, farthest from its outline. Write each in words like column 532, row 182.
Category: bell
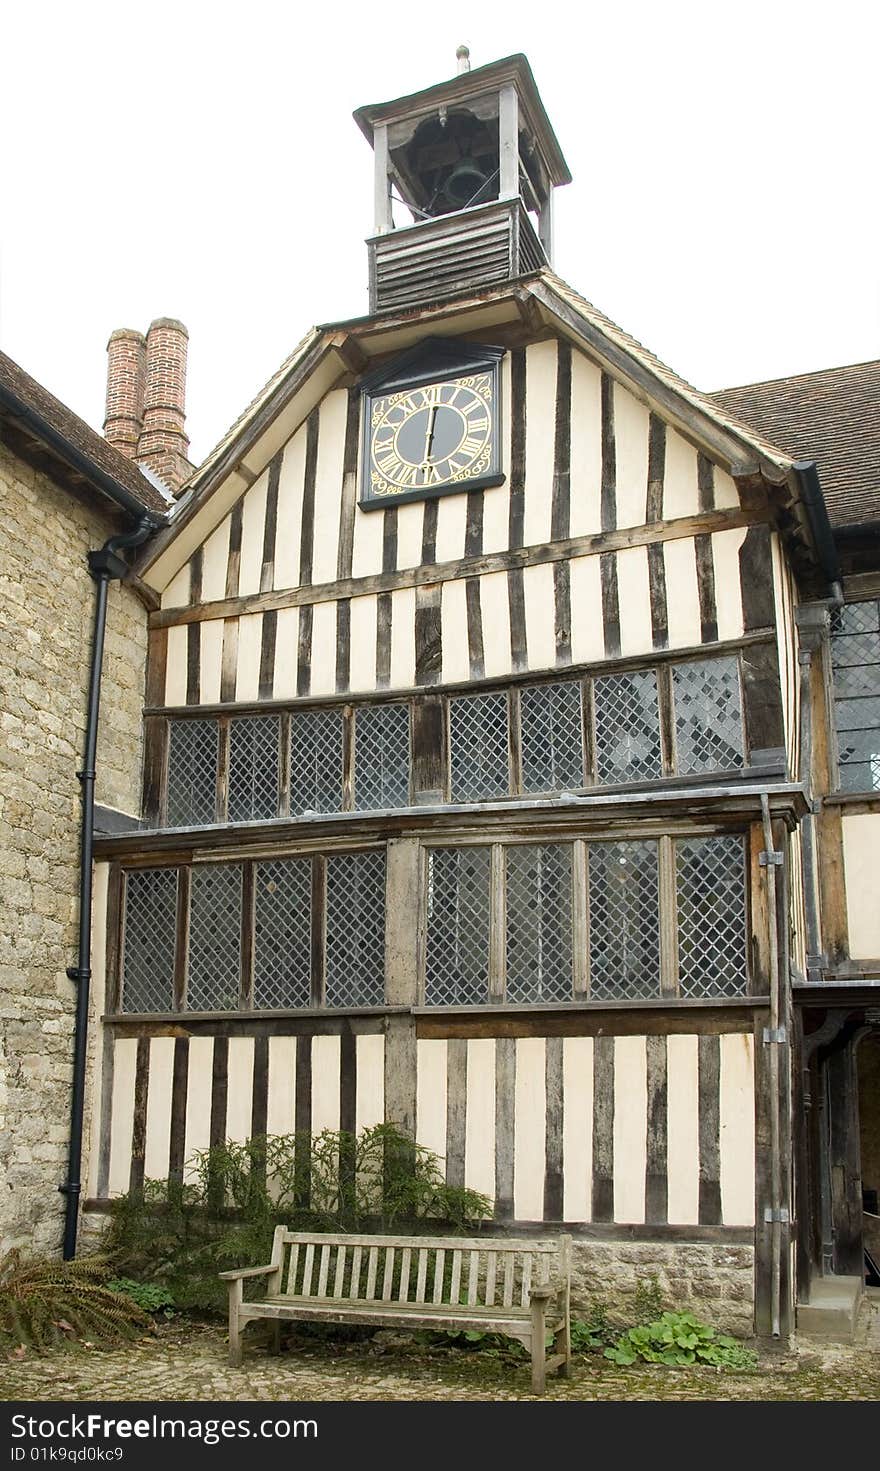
column 464, row 183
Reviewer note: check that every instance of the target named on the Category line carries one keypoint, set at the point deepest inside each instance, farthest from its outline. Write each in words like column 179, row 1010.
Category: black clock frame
column 431, row 361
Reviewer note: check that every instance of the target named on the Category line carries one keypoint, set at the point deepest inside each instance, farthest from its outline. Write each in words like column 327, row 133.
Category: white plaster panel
column 363, row 643
column 286, row 637
column 479, row 1144
column 737, row 1133
column 540, row 616
column 288, row 534
column 630, row 1128
column 323, row 676
column 577, row 1128
column 530, row 1111
column 631, row 446
column 247, row 674
column 431, row 1095
column 541, row 373
column 861, row 862
column 634, row 594
column 682, row 593
column 281, row 1100
column 253, row 528
column 453, row 623
column 370, row 1092
column 328, row 485
column 410, row 523
column 587, row 629
column 586, row 446
column 728, row 592
column 451, row 528
column 681, row 494
column 210, row 661
column 198, row 1102
column 403, row 638
column 122, row 1114
column 495, row 607
column 325, row 1083
column 175, row 666
column 682, row 1128
column 240, row 1089
column 215, row 560
column 157, row 1135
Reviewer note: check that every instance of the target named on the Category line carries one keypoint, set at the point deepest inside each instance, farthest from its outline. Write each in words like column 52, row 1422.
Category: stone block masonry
column 46, row 615
column 713, row 1281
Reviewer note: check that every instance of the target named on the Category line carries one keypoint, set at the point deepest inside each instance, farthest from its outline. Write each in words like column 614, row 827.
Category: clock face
column 433, row 436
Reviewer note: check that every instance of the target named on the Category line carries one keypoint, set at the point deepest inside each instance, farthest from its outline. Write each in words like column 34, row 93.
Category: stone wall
column 716, row 1282
column 46, row 614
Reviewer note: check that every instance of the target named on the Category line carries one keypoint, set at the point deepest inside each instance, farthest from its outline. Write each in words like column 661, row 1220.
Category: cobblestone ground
column 187, row 1361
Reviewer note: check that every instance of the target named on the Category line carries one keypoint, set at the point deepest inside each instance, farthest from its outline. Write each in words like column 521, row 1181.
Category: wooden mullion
column 181, row 938
column 669, row 979
column 284, row 766
column 348, row 754
column 246, row 978
column 222, row 792
column 667, row 718
column 497, row 924
column 759, row 919
column 580, row 920
column 514, row 743
column 588, row 732
column 319, row 930
column 155, row 771
column 115, row 935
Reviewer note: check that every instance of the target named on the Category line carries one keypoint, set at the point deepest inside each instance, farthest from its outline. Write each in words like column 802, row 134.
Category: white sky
column 200, row 161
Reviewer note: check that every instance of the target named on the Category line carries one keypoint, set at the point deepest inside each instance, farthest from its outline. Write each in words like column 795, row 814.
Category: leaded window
column 551, row 735
column 457, row 950
column 192, row 772
column 627, row 721
column 253, row 768
column 214, row 974
column 283, row 933
column 710, row 887
column 355, row 929
column 708, row 715
column 538, row 905
column 478, row 746
column 855, row 659
column 316, row 752
column 624, row 909
column 381, row 757
column 149, row 938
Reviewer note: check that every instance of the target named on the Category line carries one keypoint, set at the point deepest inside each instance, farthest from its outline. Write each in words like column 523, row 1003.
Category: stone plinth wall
column 715, row 1282
column 46, row 616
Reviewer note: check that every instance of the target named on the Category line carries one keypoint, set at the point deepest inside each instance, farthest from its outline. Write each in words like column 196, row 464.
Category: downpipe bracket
column 766, row 860
column 775, row 1034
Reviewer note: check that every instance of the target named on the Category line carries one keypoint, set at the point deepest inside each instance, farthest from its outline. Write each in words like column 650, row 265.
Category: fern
column 45, row 1303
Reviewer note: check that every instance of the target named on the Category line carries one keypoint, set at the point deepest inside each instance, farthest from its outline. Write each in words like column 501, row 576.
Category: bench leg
column 562, row 1344
column 539, row 1365
column 236, row 1293
column 275, row 1337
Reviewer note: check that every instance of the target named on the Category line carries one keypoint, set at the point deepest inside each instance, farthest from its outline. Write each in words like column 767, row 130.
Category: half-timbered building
column 488, row 695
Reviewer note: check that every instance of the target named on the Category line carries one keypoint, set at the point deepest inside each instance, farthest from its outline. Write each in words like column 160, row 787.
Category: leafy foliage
column 45, row 1303
column 180, row 1236
column 591, row 1333
column 152, row 1297
column 648, row 1301
column 680, row 1339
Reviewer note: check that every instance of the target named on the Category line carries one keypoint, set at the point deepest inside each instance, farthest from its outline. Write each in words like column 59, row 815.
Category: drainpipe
column 105, row 566
column 773, row 1037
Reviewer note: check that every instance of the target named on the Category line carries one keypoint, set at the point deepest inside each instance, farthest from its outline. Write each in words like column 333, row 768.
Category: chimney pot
column 126, row 376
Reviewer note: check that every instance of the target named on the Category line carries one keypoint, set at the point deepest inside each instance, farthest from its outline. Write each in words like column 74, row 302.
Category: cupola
column 475, row 161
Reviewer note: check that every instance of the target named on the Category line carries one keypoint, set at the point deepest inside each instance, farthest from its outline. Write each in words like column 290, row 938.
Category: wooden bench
column 513, row 1287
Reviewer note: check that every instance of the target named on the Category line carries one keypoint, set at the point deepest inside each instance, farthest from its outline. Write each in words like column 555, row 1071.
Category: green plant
column 648, row 1301
column 179, row 1236
column 152, row 1297
column 589, row 1334
column 44, row 1303
column 680, row 1339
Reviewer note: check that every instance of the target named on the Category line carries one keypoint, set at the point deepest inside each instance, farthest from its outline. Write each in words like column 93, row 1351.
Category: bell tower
column 475, row 161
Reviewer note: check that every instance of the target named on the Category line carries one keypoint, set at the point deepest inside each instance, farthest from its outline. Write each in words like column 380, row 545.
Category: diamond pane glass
column 624, row 921
column 457, row 946
column 539, row 923
column 711, row 916
column 355, row 965
column 315, row 761
column 215, row 938
column 627, row 727
column 148, row 952
column 708, row 715
column 192, row 773
column 551, row 734
column 855, row 658
column 253, row 768
column 478, row 747
column 381, row 757
column 283, row 933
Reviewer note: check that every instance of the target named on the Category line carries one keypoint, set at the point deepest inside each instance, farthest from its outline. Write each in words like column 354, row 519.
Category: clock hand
column 429, row 436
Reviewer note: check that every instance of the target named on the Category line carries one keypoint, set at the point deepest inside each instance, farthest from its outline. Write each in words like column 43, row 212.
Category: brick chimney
column 126, row 376
column 146, row 397
column 163, row 442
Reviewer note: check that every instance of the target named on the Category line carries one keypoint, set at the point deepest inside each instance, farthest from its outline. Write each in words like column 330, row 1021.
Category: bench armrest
column 545, row 1290
column 240, row 1272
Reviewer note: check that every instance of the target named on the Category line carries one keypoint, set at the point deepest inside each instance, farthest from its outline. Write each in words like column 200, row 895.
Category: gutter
column 105, row 566
column 78, row 460
column 817, row 516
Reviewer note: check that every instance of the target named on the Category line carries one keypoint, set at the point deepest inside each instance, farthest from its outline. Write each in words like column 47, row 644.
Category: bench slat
column 339, row 1280
column 388, row 1278
column 372, row 1264
column 323, row 1271
column 456, row 1276
column 473, row 1277
column 526, row 1277
column 291, row 1269
column 405, row 1259
column 307, row 1271
column 439, row 1264
column 491, row 1261
column 466, row 1243
column 355, row 1289
column 422, row 1275
column 509, row 1262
